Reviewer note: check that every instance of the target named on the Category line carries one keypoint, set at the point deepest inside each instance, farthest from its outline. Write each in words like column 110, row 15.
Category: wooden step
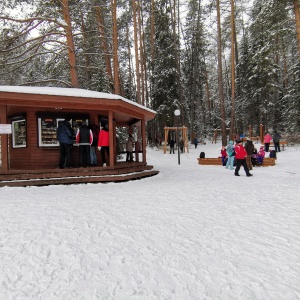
column 75, row 175
column 79, row 179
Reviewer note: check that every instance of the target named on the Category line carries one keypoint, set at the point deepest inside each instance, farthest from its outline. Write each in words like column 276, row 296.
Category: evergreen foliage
column 179, row 67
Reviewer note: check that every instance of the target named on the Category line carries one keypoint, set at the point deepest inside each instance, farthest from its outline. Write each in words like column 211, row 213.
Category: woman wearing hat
column 230, row 155
column 240, row 156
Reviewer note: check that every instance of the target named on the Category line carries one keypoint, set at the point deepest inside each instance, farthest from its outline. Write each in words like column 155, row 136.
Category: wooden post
column 215, row 136
column 4, row 140
column 166, row 139
column 143, row 126
column 185, row 139
column 261, row 131
column 111, row 138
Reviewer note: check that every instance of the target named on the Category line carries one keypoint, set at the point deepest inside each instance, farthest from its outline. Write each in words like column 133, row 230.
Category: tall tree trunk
column 129, row 62
column 86, row 57
column 141, row 53
column 152, row 30
column 101, row 26
column 207, row 90
column 232, row 120
column 285, row 76
column 177, row 60
column 137, row 66
column 115, row 49
column 220, row 77
column 144, row 62
column 152, row 40
column 70, row 43
column 297, row 17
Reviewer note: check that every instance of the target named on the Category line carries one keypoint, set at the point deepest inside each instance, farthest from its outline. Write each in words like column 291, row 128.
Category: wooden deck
column 121, row 172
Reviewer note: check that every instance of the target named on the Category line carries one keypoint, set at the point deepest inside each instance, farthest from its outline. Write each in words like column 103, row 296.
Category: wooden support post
column 4, row 140
column 111, row 138
column 215, row 136
column 143, row 126
column 261, row 131
column 166, row 139
column 184, row 136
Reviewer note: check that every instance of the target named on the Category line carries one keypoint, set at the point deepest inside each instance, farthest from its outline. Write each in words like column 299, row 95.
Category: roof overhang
column 64, row 99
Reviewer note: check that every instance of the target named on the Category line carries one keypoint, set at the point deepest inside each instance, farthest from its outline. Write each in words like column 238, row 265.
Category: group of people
column 172, row 146
column 239, row 154
column 276, row 140
column 89, row 138
column 246, row 155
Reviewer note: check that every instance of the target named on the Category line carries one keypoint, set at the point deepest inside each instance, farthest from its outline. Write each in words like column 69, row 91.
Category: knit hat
column 231, row 142
column 238, row 141
column 248, row 139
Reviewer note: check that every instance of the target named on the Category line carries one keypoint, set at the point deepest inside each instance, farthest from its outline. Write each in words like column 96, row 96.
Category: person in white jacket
column 129, row 148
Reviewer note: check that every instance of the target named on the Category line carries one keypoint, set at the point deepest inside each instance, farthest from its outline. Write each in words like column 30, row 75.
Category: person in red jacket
column 224, row 156
column 103, row 142
column 240, row 157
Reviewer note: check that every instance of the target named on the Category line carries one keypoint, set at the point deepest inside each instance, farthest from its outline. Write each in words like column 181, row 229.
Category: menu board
column 47, row 131
column 19, row 134
column 47, row 127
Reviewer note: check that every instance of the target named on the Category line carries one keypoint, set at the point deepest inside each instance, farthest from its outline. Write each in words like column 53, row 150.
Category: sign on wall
column 19, row 133
column 5, row 129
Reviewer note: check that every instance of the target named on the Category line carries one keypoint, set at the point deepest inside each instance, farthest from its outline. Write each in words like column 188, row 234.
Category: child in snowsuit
column 230, row 156
column 260, row 155
column 223, row 155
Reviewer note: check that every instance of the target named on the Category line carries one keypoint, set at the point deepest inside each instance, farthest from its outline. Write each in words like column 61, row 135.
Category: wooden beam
column 111, row 138
column 143, row 127
column 4, row 139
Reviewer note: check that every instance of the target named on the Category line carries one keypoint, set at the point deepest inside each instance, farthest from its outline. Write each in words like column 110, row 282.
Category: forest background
column 222, row 63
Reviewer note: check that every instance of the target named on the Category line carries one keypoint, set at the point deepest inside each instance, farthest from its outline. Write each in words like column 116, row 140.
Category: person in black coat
column 65, row 138
column 84, row 137
column 276, row 141
column 249, row 147
column 95, row 131
column 172, row 145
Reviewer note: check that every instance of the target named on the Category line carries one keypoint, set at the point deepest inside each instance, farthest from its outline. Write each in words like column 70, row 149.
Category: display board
column 19, row 134
column 47, row 127
column 47, row 131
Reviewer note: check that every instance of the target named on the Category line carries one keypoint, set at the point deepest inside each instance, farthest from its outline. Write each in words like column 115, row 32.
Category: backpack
column 202, row 155
column 272, row 154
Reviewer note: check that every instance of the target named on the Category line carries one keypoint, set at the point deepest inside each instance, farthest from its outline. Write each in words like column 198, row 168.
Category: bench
column 218, row 161
column 210, row 161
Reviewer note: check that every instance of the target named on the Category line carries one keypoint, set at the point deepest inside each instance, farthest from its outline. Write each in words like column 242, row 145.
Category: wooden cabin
column 34, row 114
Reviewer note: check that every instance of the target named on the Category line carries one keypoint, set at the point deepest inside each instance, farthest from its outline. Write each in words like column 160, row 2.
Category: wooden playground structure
column 183, row 134
column 259, row 138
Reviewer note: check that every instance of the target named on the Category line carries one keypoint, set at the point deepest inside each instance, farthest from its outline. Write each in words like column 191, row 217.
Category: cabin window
column 47, row 127
column 47, row 131
column 19, row 134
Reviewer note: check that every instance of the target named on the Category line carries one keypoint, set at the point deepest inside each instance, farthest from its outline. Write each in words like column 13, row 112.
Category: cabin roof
column 81, row 99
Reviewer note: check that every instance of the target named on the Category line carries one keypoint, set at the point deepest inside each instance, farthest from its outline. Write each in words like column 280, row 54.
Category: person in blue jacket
column 230, row 155
column 65, row 139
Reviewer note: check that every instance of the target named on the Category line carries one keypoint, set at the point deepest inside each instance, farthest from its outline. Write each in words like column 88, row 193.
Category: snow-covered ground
column 191, row 232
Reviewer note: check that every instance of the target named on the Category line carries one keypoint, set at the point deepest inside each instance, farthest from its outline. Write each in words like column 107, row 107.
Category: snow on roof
column 68, row 92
